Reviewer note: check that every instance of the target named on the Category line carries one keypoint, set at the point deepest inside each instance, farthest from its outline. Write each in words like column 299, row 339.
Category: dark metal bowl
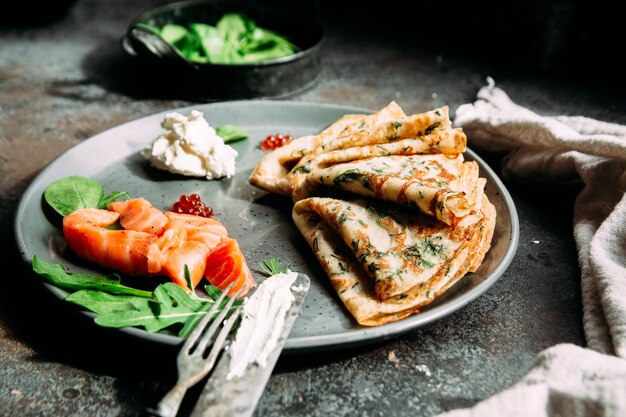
column 297, row 20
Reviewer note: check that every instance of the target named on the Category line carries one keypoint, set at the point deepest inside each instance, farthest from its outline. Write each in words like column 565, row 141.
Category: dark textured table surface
column 62, row 82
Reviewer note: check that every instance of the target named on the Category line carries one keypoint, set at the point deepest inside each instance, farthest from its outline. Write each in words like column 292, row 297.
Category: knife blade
column 239, row 396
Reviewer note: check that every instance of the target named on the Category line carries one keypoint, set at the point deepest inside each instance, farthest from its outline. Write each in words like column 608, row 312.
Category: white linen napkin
column 567, row 380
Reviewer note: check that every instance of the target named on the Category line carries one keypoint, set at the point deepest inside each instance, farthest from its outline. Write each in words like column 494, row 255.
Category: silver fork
column 193, row 363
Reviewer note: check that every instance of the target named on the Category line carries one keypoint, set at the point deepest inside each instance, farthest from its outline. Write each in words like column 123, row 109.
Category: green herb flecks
column 416, row 252
column 441, row 207
column 352, row 175
column 299, row 152
column 430, row 246
column 432, row 127
column 304, row 169
column 394, row 130
column 343, row 268
column 399, row 273
column 382, row 151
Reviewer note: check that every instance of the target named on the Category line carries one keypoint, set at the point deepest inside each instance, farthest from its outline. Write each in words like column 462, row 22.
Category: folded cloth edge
column 496, row 121
column 567, row 379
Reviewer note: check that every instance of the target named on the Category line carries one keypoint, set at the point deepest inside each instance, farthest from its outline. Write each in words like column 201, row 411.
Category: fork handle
column 170, row 403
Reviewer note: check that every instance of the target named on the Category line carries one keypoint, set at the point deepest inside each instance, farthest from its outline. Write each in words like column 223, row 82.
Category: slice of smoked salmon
column 121, row 250
column 139, row 214
column 200, row 229
column 190, row 253
column 159, row 250
column 225, row 265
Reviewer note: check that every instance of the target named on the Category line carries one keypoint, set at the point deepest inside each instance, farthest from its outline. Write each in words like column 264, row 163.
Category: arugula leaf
column 118, row 306
column 272, row 266
column 58, row 276
column 101, row 302
column 171, row 306
column 212, row 291
column 187, row 275
column 230, row 133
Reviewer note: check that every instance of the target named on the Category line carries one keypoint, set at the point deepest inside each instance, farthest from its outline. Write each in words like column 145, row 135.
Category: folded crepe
column 386, row 132
column 272, row 171
column 392, row 211
column 387, row 262
column 443, row 186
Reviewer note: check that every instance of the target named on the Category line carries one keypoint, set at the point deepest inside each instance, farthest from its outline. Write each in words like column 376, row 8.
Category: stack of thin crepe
column 393, row 213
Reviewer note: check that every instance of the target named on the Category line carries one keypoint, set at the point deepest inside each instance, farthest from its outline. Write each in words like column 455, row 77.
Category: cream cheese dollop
column 190, row 146
column 263, row 319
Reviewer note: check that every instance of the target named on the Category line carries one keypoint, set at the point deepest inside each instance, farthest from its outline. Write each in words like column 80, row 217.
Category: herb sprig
column 272, row 266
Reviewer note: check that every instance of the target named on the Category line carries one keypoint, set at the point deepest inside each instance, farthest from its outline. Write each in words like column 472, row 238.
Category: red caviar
column 275, row 141
column 192, row 204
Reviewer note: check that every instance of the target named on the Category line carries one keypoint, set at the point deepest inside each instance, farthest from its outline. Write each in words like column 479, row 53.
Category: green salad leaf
column 117, row 305
column 235, row 39
column 172, row 306
column 58, row 276
column 104, row 303
column 231, row 133
column 70, row 193
column 74, row 192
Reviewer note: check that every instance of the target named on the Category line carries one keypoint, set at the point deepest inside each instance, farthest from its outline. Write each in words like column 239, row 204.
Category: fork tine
column 208, row 363
column 197, row 331
column 204, row 340
column 192, row 365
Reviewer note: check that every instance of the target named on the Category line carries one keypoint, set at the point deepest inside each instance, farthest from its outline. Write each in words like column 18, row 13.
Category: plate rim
column 303, row 343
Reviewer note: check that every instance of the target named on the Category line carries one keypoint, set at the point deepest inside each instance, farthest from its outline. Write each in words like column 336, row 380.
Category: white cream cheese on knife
column 263, row 318
column 191, row 147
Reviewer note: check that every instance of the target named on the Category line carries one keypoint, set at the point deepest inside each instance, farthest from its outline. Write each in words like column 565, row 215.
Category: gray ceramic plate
column 259, row 220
